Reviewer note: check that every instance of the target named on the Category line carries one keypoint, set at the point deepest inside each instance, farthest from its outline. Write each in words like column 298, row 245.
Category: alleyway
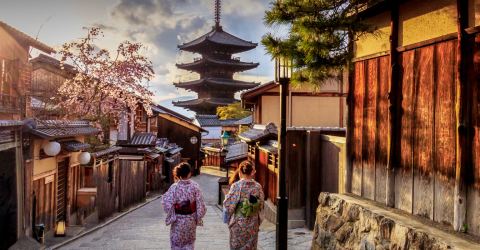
column 145, row 228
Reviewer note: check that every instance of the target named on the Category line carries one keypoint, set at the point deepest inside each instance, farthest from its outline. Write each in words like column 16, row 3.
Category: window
column 153, row 121
column 111, row 170
column 144, row 116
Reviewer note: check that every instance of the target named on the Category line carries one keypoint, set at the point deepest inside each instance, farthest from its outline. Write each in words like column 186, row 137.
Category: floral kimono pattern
column 184, row 227
column 243, row 230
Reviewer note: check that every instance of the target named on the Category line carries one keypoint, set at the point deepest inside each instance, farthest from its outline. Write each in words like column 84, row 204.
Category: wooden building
column 237, row 153
column 214, row 157
column 413, row 132
column 12, row 205
column 313, row 165
column 55, row 180
column 16, row 72
column 215, row 127
column 326, row 108
column 216, row 67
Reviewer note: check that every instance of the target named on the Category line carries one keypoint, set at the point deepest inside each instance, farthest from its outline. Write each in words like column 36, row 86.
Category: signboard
column 49, row 179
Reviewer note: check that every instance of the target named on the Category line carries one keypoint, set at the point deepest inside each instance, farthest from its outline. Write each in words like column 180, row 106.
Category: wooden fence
column 107, row 183
column 132, row 187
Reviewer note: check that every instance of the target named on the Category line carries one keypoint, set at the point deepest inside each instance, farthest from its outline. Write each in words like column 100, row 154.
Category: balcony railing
column 11, row 103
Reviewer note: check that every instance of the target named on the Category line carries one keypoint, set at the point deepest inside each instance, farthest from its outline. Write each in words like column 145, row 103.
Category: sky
column 161, row 25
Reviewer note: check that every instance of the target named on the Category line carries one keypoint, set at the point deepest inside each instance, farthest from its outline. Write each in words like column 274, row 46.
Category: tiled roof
column 213, row 101
column 52, row 61
column 143, row 138
column 10, row 123
column 35, row 103
column 106, row 151
column 245, row 121
column 74, row 145
column 218, row 36
column 217, row 81
column 208, row 120
column 258, row 132
column 162, row 110
column 271, row 147
column 237, row 151
column 271, row 83
column 239, row 65
column 52, row 129
column 25, row 39
column 174, row 150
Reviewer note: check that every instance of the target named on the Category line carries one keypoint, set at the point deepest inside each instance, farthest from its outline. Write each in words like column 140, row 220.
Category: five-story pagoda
column 216, row 67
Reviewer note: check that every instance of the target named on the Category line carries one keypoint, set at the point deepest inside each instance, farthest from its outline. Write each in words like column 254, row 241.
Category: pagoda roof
column 218, row 37
column 218, row 82
column 200, row 101
column 239, row 65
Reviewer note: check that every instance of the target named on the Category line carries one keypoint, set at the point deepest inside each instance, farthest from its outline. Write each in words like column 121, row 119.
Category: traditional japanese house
column 12, row 191
column 16, row 72
column 214, row 156
column 216, row 67
column 328, row 105
column 215, row 127
column 245, row 122
column 48, row 75
column 413, row 132
column 182, row 131
column 56, row 179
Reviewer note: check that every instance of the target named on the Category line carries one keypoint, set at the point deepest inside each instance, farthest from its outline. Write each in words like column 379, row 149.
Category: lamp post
column 225, row 138
column 283, row 73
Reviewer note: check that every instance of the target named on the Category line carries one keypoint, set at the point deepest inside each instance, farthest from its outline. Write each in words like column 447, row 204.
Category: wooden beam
column 43, row 175
column 374, row 55
column 395, row 104
column 322, row 94
column 351, row 118
column 439, row 39
column 473, row 30
column 462, row 113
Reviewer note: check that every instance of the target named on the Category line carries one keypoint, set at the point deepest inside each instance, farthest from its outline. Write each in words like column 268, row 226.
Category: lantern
column 225, row 138
column 83, row 158
column 52, row 148
column 194, row 140
column 283, row 69
column 60, row 229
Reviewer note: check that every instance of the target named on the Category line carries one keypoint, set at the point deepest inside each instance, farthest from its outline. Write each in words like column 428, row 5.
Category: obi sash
column 185, row 207
column 248, row 207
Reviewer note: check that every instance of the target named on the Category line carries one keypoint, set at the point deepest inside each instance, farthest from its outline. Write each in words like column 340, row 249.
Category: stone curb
column 103, row 225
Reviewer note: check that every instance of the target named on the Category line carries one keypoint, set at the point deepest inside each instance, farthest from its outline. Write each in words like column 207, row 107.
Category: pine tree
column 318, row 36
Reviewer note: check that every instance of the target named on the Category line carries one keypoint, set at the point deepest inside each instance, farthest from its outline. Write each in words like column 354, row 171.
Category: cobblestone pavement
column 145, row 228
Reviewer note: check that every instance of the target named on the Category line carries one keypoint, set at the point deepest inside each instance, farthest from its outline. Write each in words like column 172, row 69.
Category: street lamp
column 225, row 138
column 283, row 73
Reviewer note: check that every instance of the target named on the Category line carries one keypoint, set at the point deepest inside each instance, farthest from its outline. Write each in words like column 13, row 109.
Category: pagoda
column 216, row 67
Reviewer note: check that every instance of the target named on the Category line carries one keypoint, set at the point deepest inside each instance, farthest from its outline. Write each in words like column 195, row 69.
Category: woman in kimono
column 243, row 205
column 185, row 207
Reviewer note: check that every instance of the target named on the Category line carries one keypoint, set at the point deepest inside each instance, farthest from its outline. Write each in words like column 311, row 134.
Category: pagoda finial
column 218, row 7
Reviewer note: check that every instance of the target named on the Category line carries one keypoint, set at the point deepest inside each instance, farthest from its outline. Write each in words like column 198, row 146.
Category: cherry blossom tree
column 105, row 88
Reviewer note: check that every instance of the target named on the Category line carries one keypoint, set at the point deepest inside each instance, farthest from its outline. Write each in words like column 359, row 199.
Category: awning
column 74, row 145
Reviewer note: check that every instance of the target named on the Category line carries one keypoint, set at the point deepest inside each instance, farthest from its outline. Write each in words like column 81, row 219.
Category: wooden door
column 61, row 189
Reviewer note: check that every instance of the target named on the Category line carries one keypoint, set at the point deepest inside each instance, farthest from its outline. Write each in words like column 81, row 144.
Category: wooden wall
column 132, row 187
column 46, row 202
column 181, row 136
column 107, row 191
column 295, row 172
column 76, row 177
column 425, row 171
column 9, row 206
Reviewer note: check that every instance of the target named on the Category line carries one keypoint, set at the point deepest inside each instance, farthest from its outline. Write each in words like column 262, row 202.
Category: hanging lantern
column 83, row 158
column 224, row 138
column 52, row 148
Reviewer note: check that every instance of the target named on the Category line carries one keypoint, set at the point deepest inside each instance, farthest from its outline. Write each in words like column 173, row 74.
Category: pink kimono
column 184, row 227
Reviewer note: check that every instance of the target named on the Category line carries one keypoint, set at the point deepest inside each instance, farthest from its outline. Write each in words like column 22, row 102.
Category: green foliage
column 465, row 228
column 318, row 37
column 233, row 111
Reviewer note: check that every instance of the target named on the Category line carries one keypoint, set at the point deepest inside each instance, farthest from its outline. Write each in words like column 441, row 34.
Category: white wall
column 214, row 132
column 113, row 137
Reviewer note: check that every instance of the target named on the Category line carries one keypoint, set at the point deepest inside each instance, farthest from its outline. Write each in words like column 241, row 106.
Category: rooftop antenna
column 147, row 85
column 218, row 7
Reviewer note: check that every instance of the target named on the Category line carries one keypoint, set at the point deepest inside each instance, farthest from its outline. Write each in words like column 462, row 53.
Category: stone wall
column 344, row 222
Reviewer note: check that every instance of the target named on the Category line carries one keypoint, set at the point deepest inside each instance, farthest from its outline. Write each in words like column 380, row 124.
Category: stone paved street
column 145, row 228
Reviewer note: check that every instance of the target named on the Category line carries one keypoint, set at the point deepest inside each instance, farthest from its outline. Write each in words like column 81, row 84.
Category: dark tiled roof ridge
column 219, row 61
column 34, row 43
column 52, row 61
column 216, row 80
column 210, row 36
column 221, row 101
column 246, row 120
column 258, row 87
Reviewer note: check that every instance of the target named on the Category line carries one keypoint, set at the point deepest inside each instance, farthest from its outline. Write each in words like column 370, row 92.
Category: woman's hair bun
column 182, row 170
column 246, row 167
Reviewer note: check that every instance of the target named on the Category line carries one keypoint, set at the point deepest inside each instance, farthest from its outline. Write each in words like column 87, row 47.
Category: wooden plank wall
column 473, row 188
column 46, row 203
column 132, row 177
column 262, row 169
column 76, row 179
column 272, row 179
column 424, row 176
column 371, row 128
column 295, row 172
column 107, row 191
